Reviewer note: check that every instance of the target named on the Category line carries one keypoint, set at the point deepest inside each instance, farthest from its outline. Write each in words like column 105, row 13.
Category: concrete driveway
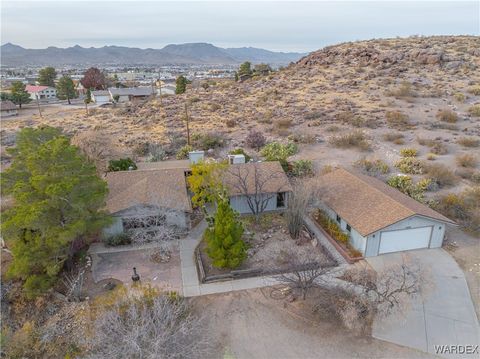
column 445, row 317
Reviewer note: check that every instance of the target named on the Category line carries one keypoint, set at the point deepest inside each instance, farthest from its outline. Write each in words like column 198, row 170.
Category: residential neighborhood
column 240, row 180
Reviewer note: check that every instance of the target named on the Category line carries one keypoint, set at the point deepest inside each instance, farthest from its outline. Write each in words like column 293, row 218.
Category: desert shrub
column 183, row 152
column 374, row 168
column 302, row 168
column 408, row 152
column 474, row 90
column 404, row 90
column 331, row 227
column 302, row 137
column 468, row 141
column 256, row 140
column 117, row 240
column 313, row 115
column 230, row 123
column 123, row 164
column 431, row 156
column 410, row 165
column 156, row 153
column 475, row 177
column 394, row 137
column 459, row 97
column 333, row 128
column 283, row 123
column 474, row 110
column 464, row 208
column 141, row 149
column 405, row 185
column 443, row 126
column 349, row 118
column 275, row 151
column 355, row 138
column 240, row 151
column 436, row 145
column 468, row 174
column 208, row 141
column 440, row 174
column 215, row 106
column 447, row 115
column 466, row 160
column 397, row 119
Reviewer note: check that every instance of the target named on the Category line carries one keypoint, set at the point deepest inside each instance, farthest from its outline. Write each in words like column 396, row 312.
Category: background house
column 43, row 93
column 101, row 97
column 131, row 94
column 8, row 108
column 379, row 218
column 147, row 193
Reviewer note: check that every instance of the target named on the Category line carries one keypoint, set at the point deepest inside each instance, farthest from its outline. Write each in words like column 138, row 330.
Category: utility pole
column 188, row 127
column 38, row 105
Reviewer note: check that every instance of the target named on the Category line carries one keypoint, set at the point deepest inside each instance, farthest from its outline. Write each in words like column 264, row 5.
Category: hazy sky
column 285, row 26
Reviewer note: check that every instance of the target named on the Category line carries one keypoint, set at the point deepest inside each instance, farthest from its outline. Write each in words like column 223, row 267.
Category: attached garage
column 378, row 218
column 404, row 239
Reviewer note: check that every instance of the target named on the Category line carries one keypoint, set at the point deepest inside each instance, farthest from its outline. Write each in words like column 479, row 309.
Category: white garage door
column 405, row 239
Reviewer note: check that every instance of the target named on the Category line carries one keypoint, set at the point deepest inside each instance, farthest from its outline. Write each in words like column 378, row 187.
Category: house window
column 338, row 219
column 349, row 228
column 281, row 200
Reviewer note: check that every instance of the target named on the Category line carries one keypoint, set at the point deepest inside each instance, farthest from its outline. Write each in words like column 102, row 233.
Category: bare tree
column 256, row 184
column 98, row 147
column 304, row 274
column 149, row 326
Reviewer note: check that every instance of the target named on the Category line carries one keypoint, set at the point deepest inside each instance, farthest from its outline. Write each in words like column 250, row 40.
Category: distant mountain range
column 193, row 53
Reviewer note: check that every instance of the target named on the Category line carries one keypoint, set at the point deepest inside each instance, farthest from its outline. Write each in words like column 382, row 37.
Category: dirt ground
column 465, row 249
column 118, row 265
column 249, row 324
column 270, row 247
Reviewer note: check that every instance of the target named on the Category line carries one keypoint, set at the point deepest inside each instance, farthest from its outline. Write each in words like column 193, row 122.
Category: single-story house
column 100, row 97
column 131, row 94
column 380, row 219
column 154, row 193
column 257, row 187
column 41, row 92
column 8, row 108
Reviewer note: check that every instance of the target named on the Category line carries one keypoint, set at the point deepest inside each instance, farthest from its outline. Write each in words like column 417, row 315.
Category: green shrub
column 275, row 151
column 469, row 141
column 123, row 164
column 355, row 138
column 156, row 153
column 447, row 115
column 208, row 140
column 408, row 152
column 410, row 165
column 331, row 227
column 373, row 168
column 117, row 240
column 183, row 152
column 474, row 110
column 240, row 151
column 302, row 168
column 405, row 185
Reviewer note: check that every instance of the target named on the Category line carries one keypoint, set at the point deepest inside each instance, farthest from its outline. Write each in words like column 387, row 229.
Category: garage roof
column 165, row 188
column 367, row 204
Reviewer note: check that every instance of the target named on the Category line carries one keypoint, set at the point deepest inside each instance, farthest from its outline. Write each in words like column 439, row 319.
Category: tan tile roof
column 164, row 188
column 368, row 204
column 269, row 174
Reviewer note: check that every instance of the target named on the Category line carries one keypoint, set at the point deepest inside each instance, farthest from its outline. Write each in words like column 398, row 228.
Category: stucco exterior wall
column 240, row 203
column 358, row 241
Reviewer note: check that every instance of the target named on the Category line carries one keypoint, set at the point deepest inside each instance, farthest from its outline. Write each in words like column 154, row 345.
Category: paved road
column 445, row 317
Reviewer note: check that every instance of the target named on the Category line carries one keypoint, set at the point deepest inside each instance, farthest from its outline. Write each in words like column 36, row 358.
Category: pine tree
column 58, row 200
column 181, row 84
column 66, row 89
column 47, row 76
column 18, row 94
column 224, row 240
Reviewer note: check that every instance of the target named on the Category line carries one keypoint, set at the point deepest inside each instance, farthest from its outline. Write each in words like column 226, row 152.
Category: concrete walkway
column 445, row 317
